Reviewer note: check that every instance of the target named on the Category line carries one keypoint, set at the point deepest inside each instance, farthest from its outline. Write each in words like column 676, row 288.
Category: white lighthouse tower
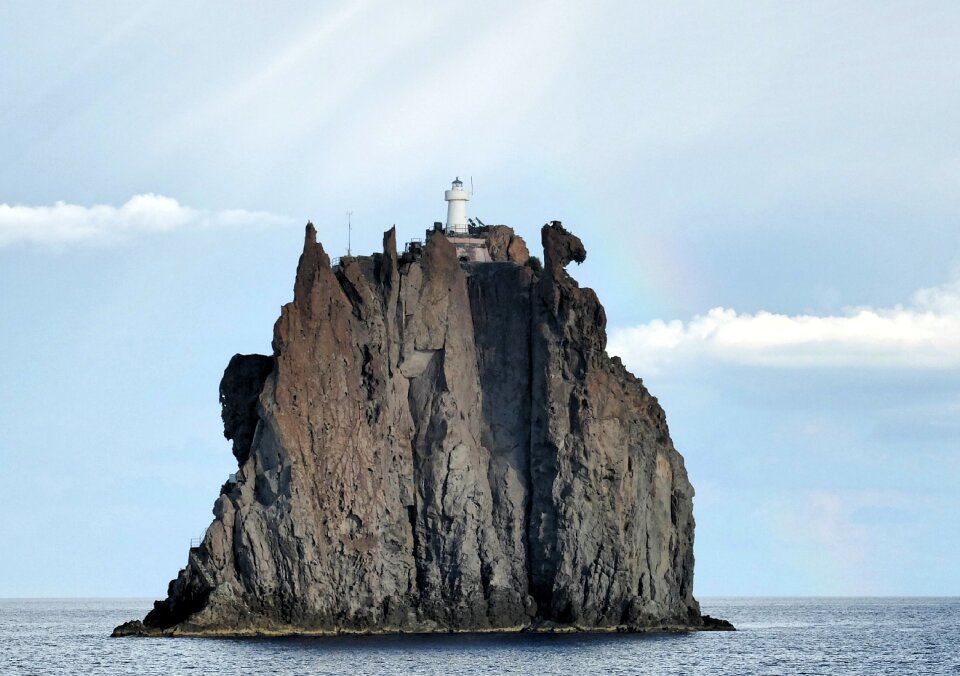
column 456, row 199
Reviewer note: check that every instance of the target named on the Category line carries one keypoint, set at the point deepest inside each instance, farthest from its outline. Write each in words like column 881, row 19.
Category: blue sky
column 769, row 194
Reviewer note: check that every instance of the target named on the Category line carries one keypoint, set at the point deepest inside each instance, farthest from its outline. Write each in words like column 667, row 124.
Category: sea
column 775, row 636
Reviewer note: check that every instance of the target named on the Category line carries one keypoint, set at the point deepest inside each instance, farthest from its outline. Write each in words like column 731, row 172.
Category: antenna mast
column 349, row 231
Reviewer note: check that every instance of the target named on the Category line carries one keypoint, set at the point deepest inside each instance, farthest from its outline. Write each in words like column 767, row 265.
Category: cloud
column 852, row 540
column 821, row 530
column 72, row 223
column 924, row 334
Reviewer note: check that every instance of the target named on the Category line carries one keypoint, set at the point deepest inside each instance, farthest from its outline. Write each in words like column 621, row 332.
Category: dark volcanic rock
column 131, row 628
column 439, row 446
column 716, row 624
column 239, row 391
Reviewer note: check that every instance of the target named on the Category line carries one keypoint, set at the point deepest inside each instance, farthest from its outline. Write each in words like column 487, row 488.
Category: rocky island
column 439, row 442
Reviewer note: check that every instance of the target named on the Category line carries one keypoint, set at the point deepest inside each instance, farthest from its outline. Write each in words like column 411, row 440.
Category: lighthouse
column 456, row 199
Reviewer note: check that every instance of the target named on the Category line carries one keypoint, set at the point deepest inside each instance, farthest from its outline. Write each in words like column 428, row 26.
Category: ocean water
column 776, row 636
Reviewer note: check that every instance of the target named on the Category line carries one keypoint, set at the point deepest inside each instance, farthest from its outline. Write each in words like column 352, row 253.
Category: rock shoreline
column 137, row 628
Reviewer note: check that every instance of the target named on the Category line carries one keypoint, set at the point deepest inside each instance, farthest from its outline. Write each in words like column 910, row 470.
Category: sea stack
column 440, row 442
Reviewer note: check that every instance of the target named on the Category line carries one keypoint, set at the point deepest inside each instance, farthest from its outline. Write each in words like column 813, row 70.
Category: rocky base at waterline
column 439, row 445
column 138, row 628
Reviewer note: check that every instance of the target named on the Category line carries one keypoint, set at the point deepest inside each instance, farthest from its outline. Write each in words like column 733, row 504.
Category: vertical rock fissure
column 412, row 520
column 528, row 492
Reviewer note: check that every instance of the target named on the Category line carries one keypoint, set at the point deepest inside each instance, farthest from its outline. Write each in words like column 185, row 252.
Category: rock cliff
column 440, row 446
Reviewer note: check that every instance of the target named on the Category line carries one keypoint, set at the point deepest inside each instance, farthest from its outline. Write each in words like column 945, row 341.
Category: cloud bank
column 924, row 334
column 149, row 213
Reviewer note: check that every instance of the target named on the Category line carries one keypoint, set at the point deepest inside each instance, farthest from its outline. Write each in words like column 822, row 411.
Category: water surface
column 776, row 636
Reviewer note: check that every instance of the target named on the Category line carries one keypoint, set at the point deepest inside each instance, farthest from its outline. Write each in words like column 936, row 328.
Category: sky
column 769, row 194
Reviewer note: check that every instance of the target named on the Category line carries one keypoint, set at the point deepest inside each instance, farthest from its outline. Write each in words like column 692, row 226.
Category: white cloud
column 924, row 334
column 848, row 539
column 71, row 223
column 819, row 530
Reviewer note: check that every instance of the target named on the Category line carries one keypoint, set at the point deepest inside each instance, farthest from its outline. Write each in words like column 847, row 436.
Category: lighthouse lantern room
column 456, row 199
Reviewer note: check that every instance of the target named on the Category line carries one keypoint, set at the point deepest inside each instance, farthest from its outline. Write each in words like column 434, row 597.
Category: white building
column 470, row 246
column 457, row 199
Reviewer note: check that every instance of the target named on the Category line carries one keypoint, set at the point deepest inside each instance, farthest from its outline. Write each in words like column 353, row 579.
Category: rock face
column 438, row 446
column 504, row 245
